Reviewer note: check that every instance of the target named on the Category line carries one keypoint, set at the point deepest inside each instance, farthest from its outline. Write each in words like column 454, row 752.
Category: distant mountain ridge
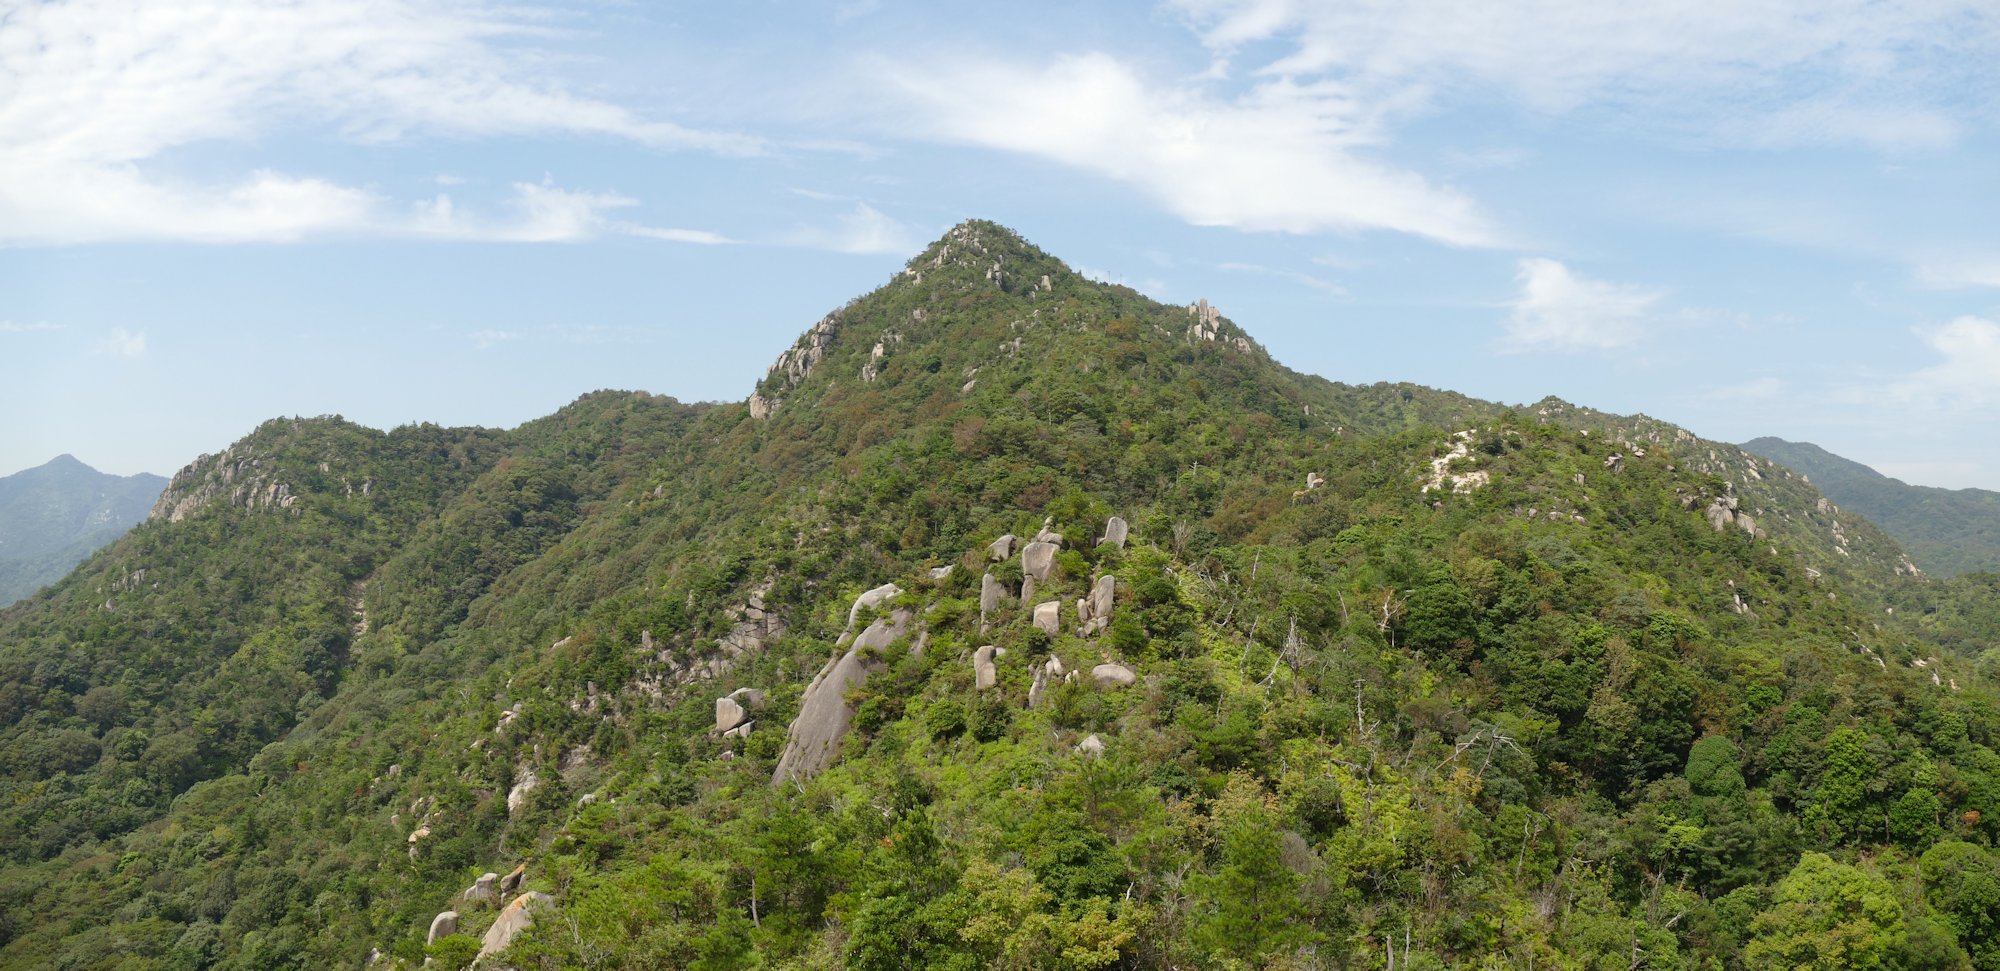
column 55, row 515
column 1947, row 531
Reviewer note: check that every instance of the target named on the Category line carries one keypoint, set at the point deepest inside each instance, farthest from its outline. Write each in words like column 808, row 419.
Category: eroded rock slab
column 514, row 918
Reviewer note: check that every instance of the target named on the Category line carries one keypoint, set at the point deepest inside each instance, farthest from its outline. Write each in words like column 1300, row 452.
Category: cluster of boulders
column 491, row 888
column 732, row 712
column 824, row 716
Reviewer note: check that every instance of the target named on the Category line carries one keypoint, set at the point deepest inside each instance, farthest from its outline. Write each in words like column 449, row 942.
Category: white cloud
column 1968, row 376
column 672, row 235
column 862, row 230
column 1959, row 272
column 1763, row 71
column 1559, row 310
column 1284, row 157
column 99, row 89
column 13, row 327
column 122, row 343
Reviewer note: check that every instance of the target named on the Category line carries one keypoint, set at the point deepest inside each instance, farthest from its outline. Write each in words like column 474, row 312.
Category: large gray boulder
column 514, row 918
column 985, row 674
column 1049, row 534
column 1114, row 532
column 873, row 598
column 991, row 592
column 512, row 881
column 443, row 925
column 1027, row 590
column 1001, row 548
column 1048, row 616
column 1101, row 597
column 824, row 718
column 751, row 699
column 728, row 714
column 486, row 889
column 1038, row 558
column 1113, row 676
column 1091, row 746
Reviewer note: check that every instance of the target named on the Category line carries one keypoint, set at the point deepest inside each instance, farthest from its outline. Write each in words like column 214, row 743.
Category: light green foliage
column 1371, row 723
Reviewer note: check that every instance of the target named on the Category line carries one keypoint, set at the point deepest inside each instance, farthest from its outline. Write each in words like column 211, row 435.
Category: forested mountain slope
column 54, row 515
column 1189, row 660
column 1947, row 531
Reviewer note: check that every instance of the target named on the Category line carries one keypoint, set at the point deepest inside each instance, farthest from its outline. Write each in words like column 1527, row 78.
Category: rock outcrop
column 513, row 880
column 1038, row 559
column 813, row 741
column 486, row 889
column 1048, row 616
column 443, row 925
column 1094, row 611
column 525, row 783
column 1050, row 673
column 514, row 918
column 1115, row 530
column 1091, row 745
column 729, row 714
column 984, row 673
column 991, row 592
column 1113, row 676
column 1001, row 548
column 873, row 598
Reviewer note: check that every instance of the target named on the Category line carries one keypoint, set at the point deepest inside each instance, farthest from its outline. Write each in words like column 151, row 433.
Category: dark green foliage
column 1541, row 722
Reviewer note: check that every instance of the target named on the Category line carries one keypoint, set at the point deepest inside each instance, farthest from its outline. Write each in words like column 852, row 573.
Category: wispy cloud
column 14, row 327
column 1767, row 72
column 700, row 237
column 1559, row 310
column 1960, row 271
column 490, row 338
column 101, row 88
column 1968, row 349
column 1283, row 157
column 861, row 230
column 1306, row 280
column 121, row 343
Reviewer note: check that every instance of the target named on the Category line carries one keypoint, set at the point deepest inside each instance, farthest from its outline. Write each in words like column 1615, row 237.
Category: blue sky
column 1768, row 217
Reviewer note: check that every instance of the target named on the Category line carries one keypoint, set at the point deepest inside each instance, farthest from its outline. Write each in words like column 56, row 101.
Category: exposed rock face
column 512, row 881
column 815, row 735
column 740, row 731
column 1001, row 548
column 1113, row 676
column 1048, row 616
column 728, row 714
column 942, row 572
column 514, row 918
column 525, row 783
column 1049, row 535
column 985, row 674
column 418, row 837
column 990, row 594
column 873, row 598
column 443, row 925
column 1615, row 463
column 750, row 698
column 483, row 890
column 1091, row 746
column 1115, row 530
column 754, row 629
column 1027, row 590
column 1314, row 480
column 795, row 365
column 227, row 477
column 1460, row 483
column 1038, row 559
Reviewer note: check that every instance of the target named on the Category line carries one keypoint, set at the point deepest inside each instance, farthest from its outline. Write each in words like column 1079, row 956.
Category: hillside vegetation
column 1379, row 677
column 1947, row 531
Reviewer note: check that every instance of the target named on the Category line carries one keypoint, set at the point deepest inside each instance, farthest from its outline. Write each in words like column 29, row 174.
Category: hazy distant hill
column 1947, row 531
column 54, row 515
